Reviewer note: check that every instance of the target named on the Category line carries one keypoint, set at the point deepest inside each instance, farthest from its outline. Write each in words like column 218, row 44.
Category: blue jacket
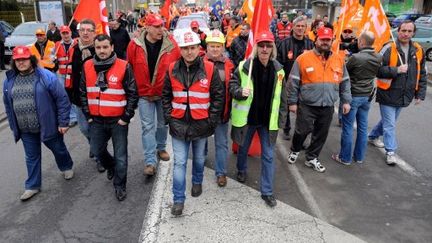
column 52, row 104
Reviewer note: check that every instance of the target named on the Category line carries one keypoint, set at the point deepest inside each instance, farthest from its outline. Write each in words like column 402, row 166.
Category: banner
column 375, row 20
column 94, row 10
column 217, row 10
column 165, row 12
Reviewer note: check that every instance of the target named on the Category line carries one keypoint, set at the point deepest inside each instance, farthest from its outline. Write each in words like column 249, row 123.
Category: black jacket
column 362, row 68
column 121, row 39
column 53, row 36
column 288, row 45
column 402, row 90
column 130, row 88
column 188, row 128
column 77, row 66
column 237, row 49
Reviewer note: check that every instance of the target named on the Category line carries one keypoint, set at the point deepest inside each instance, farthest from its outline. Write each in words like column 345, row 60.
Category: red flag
column 260, row 22
column 94, row 10
column 165, row 12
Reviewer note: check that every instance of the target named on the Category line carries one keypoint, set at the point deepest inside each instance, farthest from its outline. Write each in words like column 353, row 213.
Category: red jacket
column 137, row 57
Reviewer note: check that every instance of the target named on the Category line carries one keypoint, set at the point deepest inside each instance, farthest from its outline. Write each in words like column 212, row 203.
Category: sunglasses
column 347, row 31
column 262, row 45
column 39, row 34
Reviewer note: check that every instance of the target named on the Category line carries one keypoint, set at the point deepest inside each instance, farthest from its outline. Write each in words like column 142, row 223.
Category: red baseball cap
column 325, row 33
column 153, row 20
column 264, row 36
column 65, row 28
column 194, row 24
column 21, row 52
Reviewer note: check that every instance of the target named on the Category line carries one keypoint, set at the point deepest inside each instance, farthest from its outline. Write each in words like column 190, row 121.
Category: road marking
column 304, row 189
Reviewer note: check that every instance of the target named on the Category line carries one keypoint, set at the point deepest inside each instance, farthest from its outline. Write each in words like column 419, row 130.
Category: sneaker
column 292, row 157
column 196, row 190
column 163, row 155
column 149, row 170
column 177, row 209
column 269, row 200
column 376, row 142
column 28, row 194
column 315, row 164
column 336, row 158
column 68, row 174
column 391, row 158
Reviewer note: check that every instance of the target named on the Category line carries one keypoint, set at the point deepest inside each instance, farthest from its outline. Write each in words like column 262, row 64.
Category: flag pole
column 339, row 32
column 391, row 33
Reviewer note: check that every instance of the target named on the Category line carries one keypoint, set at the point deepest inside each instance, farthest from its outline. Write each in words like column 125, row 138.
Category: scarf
column 85, row 52
column 101, row 67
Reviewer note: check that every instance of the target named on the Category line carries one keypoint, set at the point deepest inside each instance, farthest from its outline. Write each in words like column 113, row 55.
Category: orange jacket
column 232, row 34
column 46, row 61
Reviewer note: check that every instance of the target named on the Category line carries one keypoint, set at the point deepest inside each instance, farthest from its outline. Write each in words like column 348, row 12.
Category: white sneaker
column 315, row 164
column 376, row 142
column 68, row 174
column 28, row 194
column 292, row 157
column 391, row 158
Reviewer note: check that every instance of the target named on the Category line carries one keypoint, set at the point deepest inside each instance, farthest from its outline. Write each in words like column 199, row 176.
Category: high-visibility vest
column 240, row 108
column 47, row 60
column 283, row 31
column 64, row 59
column 386, row 83
column 196, row 97
column 312, row 69
column 112, row 101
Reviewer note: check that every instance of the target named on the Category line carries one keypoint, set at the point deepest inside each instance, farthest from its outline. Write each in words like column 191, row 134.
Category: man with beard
column 317, row 79
column 237, row 49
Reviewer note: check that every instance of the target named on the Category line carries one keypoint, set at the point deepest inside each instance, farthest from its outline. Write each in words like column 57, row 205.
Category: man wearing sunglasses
column 349, row 40
column 43, row 50
column 258, row 105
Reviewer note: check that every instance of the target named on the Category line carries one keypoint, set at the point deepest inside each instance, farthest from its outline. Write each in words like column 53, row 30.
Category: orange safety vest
column 47, row 60
column 232, row 34
column 313, row 70
column 64, row 59
column 112, row 101
column 197, row 96
column 283, row 31
column 386, row 83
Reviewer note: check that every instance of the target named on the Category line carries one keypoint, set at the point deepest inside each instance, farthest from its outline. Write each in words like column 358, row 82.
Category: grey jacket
column 363, row 68
column 238, row 134
column 317, row 94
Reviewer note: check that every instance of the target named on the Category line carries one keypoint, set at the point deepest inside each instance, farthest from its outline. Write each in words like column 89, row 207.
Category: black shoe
column 196, row 190
column 241, row 177
column 177, row 209
column 91, row 155
column 99, row 167
column 72, row 124
column 110, row 174
column 120, row 194
column 269, row 200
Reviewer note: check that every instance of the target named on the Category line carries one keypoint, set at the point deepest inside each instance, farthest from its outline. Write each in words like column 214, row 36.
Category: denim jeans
column 73, row 117
column 221, row 151
column 181, row 153
column 359, row 112
column 100, row 133
column 267, row 165
column 83, row 123
column 386, row 127
column 33, row 157
column 154, row 130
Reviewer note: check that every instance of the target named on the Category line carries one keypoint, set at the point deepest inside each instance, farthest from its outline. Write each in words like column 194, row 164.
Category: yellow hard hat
column 40, row 32
column 215, row 36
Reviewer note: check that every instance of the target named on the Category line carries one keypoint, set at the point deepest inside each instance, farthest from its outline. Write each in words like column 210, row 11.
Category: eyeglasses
column 86, row 30
column 347, row 31
column 263, row 44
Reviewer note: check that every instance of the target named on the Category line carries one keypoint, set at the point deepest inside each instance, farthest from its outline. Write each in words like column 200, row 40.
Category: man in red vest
column 193, row 100
column 283, row 28
column 109, row 98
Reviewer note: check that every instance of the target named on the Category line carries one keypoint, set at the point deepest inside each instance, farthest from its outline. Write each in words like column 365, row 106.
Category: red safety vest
column 64, row 59
column 386, row 83
column 197, row 96
column 111, row 102
column 283, row 31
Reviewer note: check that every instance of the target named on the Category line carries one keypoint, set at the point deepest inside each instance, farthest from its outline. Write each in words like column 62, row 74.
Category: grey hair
column 298, row 19
column 273, row 55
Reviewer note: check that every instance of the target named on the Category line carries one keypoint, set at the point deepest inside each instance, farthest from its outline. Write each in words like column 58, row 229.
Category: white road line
column 304, row 189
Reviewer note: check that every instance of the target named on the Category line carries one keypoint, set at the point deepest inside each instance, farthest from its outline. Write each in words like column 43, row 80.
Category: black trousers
column 287, row 127
column 313, row 119
column 2, row 55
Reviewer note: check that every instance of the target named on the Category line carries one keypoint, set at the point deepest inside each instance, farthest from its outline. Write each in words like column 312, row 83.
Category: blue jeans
column 154, row 135
column 267, row 165
column 359, row 112
column 100, row 133
column 33, row 157
column 221, row 152
column 73, row 113
column 181, row 153
column 386, row 127
column 83, row 124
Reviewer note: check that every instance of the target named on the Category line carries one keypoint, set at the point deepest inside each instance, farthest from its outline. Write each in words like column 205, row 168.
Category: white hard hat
column 188, row 38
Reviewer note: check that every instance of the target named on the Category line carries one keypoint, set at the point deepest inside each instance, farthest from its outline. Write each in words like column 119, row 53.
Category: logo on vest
column 336, row 76
column 204, row 82
column 113, row 79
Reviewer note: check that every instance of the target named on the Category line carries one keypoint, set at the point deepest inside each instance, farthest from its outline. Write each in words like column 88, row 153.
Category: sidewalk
column 235, row 213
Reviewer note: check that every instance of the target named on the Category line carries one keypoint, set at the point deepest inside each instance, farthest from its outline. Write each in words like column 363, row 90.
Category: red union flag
column 94, row 10
column 375, row 20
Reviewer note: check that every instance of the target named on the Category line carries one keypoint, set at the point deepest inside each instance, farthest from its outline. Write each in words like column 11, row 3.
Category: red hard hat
column 194, row 24
column 264, row 36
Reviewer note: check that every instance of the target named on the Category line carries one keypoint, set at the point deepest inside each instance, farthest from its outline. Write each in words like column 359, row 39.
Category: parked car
column 24, row 34
column 425, row 21
column 7, row 27
column 184, row 23
column 390, row 17
column 408, row 16
column 423, row 36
